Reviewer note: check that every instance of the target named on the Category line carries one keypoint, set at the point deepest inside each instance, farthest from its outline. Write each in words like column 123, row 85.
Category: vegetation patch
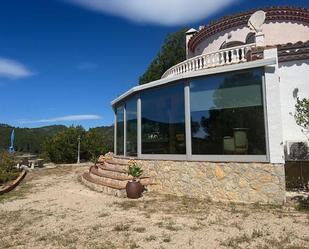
column 8, row 172
column 139, row 229
column 121, row 227
column 126, row 205
column 150, row 238
column 166, row 238
column 303, row 205
column 234, row 242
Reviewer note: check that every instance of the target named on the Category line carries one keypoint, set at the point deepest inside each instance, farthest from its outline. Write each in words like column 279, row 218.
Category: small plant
column 166, row 238
column 121, row 227
column 150, row 238
column 139, row 229
column 134, row 187
column 134, row 170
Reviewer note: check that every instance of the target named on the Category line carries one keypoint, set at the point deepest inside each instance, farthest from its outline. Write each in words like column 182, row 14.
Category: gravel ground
column 52, row 209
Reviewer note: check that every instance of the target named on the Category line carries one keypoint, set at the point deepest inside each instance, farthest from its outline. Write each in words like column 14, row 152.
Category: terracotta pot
column 134, row 189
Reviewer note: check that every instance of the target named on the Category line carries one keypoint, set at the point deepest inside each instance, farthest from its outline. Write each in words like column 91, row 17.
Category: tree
column 302, row 113
column 99, row 141
column 172, row 52
column 62, row 147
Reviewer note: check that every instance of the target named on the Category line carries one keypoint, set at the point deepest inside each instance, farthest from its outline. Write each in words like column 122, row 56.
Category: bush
column 62, row 147
column 302, row 113
column 7, row 170
column 97, row 143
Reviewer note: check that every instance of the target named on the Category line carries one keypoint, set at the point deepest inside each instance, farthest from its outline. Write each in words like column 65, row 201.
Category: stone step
column 115, row 174
column 113, row 167
column 114, row 161
column 104, row 188
column 120, row 184
column 110, row 174
column 118, row 179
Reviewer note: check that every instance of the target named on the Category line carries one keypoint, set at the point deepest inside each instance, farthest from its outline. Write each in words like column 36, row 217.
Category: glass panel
column 120, row 130
column 227, row 115
column 131, row 113
column 163, row 121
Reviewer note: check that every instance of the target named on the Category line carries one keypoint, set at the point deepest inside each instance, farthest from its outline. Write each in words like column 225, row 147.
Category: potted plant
column 134, row 188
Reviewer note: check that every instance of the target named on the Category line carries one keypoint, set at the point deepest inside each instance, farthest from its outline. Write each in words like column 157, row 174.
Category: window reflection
column 119, row 131
column 131, row 125
column 227, row 114
column 163, row 121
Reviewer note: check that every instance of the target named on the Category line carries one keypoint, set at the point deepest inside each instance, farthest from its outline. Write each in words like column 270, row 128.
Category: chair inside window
column 238, row 144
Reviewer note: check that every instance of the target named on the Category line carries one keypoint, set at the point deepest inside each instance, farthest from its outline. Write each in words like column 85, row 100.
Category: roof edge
column 274, row 13
column 209, row 71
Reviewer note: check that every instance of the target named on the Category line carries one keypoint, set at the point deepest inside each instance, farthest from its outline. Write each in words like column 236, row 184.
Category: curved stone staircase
column 110, row 176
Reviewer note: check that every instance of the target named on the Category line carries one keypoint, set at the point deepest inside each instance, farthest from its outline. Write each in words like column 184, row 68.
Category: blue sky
column 63, row 61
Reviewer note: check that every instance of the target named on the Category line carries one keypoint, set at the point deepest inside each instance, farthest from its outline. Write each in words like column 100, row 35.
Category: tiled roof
column 272, row 14
column 286, row 52
column 293, row 51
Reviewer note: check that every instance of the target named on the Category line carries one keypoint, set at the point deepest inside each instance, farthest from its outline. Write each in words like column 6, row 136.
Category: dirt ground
column 52, row 209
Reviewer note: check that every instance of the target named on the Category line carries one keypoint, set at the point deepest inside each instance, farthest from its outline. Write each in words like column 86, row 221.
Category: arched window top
column 231, row 44
column 250, row 38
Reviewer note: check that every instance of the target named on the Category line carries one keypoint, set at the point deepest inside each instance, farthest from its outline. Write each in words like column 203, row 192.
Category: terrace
column 222, row 57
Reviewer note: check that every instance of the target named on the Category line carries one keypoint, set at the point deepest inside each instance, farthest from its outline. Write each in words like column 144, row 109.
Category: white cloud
column 63, row 119
column 86, row 66
column 163, row 12
column 13, row 70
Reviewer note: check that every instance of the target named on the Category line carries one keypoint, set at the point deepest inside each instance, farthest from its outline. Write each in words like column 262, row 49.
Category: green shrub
column 302, row 113
column 98, row 142
column 7, row 170
column 62, row 147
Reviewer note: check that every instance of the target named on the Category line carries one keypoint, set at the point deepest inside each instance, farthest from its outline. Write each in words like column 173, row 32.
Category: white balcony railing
column 219, row 58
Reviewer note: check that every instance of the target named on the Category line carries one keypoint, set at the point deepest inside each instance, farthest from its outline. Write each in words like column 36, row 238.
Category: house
column 216, row 125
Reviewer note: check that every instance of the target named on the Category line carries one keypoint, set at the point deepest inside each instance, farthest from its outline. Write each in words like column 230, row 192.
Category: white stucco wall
column 294, row 74
column 274, row 128
column 275, row 33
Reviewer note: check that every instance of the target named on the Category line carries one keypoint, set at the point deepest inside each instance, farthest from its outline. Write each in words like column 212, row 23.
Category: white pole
column 78, row 150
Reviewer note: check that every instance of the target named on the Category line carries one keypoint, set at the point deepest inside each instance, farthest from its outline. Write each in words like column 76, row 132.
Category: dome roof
column 273, row 14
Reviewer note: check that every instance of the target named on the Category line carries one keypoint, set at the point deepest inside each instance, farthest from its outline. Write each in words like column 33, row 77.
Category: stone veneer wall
column 235, row 182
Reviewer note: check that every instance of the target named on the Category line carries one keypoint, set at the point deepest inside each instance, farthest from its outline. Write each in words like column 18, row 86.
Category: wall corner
column 273, row 109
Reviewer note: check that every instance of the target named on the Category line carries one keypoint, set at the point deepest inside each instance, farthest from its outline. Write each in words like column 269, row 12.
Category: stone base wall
column 235, row 182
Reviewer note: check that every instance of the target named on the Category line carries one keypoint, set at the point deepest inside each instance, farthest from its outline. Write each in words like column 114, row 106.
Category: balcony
column 219, row 58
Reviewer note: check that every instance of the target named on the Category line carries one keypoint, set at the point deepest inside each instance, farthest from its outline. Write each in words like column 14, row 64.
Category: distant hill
column 31, row 140
column 27, row 139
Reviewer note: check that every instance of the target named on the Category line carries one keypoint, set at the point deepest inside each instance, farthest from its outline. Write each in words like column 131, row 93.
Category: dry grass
column 51, row 209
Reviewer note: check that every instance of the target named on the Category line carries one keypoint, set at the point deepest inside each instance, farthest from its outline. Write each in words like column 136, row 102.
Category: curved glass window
column 163, row 120
column 131, row 126
column 120, row 130
column 227, row 114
